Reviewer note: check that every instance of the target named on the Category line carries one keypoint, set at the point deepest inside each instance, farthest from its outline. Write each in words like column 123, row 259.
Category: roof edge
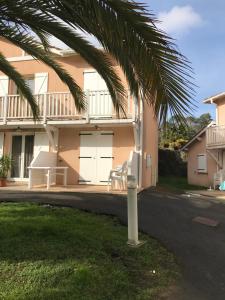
column 214, row 98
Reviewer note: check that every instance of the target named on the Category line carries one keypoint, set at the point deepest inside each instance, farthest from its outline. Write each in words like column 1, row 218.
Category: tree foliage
column 152, row 65
column 174, row 135
column 171, row 163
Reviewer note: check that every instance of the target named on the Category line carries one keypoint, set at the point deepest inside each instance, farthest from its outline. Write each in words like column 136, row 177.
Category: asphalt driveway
column 200, row 249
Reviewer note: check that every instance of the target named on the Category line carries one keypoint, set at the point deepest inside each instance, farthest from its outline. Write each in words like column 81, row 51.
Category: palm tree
column 152, row 65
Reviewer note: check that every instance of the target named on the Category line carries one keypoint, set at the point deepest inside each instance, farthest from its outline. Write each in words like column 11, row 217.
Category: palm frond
column 28, row 44
column 95, row 57
column 146, row 48
column 152, row 64
column 12, row 73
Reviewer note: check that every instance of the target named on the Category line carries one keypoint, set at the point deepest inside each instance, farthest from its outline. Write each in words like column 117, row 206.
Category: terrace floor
column 12, row 186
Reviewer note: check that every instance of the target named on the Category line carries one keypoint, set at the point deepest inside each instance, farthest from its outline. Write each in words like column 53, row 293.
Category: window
column 29, row 81
column 202, row 163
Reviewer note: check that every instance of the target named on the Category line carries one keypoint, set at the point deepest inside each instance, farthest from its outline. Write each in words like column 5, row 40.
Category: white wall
column 43, row 159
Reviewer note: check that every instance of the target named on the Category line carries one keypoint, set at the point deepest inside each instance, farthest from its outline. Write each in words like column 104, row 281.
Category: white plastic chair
column 118, row 175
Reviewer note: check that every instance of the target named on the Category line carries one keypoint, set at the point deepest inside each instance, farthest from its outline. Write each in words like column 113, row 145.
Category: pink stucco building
column 206, row 150
column 90, row 143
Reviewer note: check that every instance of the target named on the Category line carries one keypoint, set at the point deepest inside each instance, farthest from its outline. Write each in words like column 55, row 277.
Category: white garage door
column 95, row 157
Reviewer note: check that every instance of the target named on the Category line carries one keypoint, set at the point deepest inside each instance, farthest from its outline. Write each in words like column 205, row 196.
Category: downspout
column 217, row 116
column 141, row 127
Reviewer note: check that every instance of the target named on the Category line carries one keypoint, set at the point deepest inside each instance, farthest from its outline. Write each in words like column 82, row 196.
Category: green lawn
column 63, row 253
column 178, row 184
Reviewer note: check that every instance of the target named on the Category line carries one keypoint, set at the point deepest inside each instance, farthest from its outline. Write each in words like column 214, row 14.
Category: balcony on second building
column 215, row 137
column 59, row 108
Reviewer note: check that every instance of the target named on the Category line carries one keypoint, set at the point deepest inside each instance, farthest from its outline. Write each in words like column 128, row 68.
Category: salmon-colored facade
column 73, row 136
column 207, row 149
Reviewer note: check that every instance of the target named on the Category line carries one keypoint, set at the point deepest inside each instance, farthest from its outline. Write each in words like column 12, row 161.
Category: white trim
column 89, row 70
column 216, row 97
column 23, row 134
column 111, row 121
column 21, row 58
column 69, row 122
column 22, row 123
column 15, row 179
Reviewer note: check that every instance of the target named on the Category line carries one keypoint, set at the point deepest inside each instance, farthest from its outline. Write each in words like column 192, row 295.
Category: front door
column 95, row 157
column 22, row 154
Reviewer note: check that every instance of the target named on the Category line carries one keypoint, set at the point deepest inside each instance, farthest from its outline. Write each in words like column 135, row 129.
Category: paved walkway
column 209, row 193
column 200, row 249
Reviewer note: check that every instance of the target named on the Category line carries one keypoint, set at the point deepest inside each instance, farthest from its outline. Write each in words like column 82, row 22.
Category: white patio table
column 51, row 171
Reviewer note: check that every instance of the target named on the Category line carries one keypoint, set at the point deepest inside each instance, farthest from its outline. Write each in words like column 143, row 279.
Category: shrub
column 171, row 163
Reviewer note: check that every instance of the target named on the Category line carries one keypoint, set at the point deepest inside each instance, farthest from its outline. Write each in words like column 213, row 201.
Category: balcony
column 215, row 137
column 58, row 107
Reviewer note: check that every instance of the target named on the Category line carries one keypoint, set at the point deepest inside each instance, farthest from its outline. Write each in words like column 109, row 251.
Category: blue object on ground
column 222, row 186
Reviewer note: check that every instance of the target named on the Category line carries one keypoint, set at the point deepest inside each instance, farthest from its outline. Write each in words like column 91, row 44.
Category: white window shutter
column 202, row 163
column 40, row 83
column 4, row 85
column 1, row 143
column 100, row 102
column 93, row 81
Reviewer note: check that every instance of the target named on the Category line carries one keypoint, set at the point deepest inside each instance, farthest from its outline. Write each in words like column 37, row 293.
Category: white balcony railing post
column 5, row 109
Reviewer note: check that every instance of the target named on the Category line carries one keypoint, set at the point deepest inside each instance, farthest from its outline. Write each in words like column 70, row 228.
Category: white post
column 132, row 211
column 65, row 177
column 5, row 109
column 48, row 179
column 30, row 179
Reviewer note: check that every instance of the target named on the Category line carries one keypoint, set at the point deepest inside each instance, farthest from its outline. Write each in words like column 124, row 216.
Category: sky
column 198, row 27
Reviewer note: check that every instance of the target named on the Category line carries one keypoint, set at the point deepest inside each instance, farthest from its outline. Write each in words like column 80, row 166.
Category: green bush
column 5, row 165
column 171, row 163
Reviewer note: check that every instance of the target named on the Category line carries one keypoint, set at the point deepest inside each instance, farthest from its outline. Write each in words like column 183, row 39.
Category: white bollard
column 30, row 183
column 132, row 212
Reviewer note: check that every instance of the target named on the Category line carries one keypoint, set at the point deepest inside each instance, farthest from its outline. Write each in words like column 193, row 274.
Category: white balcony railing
column 215, row 136
column 53, row 106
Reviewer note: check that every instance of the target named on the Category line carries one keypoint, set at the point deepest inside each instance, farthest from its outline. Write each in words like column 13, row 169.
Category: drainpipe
column 141, row 127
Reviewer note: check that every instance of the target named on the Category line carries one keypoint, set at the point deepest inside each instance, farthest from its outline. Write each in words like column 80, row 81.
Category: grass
column 177, row 184
column 62, row 253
